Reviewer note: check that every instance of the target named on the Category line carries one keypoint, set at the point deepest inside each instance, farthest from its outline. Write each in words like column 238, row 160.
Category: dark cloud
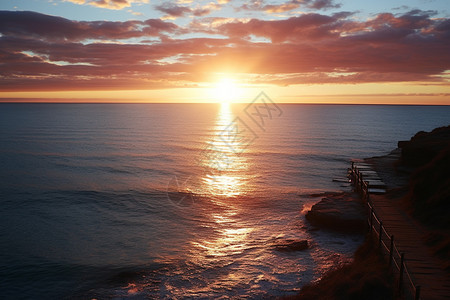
column 323, row 4
column 311, row 26
column 35, row 25
column 173, row 10
column 289, row 5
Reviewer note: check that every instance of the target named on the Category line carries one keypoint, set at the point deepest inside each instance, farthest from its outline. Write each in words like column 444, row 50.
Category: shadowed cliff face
column 429, row 185
column 424, row 146
column 430, row 190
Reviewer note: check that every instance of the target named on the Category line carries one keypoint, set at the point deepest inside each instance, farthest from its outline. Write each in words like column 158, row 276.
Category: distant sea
column 173, row 201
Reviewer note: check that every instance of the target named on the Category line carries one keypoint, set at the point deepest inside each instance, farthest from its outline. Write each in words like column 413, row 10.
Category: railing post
column 361, row 181
column 391, row 251
column 380, row 235
column 366, row 189
column 371, row 219
column 400, row 279
column 357, row 180
column 417, row 297
column 363, row 190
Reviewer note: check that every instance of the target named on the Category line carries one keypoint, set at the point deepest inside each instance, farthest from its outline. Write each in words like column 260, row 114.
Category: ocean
column 173, row 201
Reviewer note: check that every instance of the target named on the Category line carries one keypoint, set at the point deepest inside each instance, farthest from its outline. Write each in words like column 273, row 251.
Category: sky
column 299, row 51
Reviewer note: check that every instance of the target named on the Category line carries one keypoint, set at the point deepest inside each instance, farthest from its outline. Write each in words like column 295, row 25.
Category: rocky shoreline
column 343, row 212
column 367, row 276
column 403, row 170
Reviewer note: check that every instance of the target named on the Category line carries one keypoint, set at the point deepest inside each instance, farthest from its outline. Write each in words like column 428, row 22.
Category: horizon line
column 219, row 103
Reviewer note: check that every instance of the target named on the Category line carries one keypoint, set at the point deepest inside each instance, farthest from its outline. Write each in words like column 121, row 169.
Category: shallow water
column 162, row 201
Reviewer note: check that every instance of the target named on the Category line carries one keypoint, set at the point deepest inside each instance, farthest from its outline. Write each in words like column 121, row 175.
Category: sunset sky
column 306, row 51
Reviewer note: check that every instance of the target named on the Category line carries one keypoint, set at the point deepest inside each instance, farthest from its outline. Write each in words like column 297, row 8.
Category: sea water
column 113, row 201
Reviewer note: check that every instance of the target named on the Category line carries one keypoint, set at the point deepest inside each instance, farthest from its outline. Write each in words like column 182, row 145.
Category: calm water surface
column 113, row 201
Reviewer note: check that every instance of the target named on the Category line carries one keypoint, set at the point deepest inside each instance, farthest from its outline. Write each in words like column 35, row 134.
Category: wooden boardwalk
column 423, row 268
column 409, row 237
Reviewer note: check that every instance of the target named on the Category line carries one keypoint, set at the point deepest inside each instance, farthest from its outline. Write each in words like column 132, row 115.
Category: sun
column 227, row 90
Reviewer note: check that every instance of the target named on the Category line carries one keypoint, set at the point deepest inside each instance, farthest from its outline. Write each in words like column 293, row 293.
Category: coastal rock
column 342, row 212
column 424, row 146
column 428, row 154
column 292, row 245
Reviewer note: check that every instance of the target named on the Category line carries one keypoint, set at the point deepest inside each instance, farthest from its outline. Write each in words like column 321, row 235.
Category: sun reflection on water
column 224, row 163
column 223, row 186
column 232, row 242
column 224, row 178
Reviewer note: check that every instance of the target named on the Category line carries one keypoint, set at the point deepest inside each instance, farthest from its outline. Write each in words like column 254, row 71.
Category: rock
column 424, row 146
column 342, row 212
column 429, row 191
column 427, row 158
column 402, row 144
column 292, row 245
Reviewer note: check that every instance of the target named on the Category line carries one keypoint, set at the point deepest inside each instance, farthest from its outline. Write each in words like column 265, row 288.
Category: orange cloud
column 109, row 4
column 58, row 54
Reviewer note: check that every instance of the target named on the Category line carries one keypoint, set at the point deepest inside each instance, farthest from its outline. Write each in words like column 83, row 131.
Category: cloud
column 109, row 4
column 322, row 4
column 40, row 52
column 280, row 7
column 261, row 5
column 174, row 11
column 135, row 12
column 40, row 26
column 311, row 26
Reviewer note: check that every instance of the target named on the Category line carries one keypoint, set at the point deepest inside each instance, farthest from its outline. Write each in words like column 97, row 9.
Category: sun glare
column 227, row 90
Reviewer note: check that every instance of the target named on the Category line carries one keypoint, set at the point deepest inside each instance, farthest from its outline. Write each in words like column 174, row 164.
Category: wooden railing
column 386, row 242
